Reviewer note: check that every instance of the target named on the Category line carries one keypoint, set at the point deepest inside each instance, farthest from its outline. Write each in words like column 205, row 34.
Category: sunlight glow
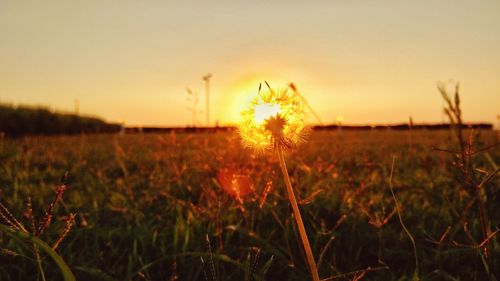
column 264, row 111
column 239, row 93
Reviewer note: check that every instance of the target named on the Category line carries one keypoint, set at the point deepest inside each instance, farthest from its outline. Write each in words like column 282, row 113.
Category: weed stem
column 416, row 273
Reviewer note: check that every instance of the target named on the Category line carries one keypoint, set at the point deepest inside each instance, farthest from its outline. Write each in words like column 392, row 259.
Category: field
column 153, row 207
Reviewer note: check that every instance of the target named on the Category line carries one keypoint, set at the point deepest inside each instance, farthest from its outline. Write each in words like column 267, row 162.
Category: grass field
column 147, row 207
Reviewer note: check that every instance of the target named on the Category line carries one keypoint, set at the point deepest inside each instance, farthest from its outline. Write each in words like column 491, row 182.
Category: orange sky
column 368, row 61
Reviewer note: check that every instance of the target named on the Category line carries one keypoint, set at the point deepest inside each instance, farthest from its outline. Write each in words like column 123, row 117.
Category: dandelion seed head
column 273, row 117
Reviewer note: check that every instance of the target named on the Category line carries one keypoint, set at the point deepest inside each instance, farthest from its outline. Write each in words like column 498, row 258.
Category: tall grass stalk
column 470, row 181
column 398, row 210
column 298, row 217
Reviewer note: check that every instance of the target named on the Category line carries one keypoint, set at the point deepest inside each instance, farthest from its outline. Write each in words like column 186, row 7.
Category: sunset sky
column 367, row 61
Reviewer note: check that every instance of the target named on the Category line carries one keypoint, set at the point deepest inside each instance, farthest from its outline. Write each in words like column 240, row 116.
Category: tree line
column 31, row 120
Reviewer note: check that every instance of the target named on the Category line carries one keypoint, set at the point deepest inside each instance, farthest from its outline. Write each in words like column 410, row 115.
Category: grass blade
column 66, row 272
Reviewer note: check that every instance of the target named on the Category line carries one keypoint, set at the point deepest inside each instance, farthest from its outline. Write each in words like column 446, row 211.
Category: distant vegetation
column 30, row 120
column 395, row 127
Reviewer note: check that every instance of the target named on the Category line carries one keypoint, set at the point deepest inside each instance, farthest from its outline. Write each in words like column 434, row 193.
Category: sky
column 368, row 62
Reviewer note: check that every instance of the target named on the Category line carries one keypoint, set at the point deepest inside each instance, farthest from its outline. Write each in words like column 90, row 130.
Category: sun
column 239, row 93
column 265, row 111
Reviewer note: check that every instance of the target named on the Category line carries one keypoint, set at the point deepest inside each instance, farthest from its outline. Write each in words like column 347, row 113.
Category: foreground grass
column 146, row 204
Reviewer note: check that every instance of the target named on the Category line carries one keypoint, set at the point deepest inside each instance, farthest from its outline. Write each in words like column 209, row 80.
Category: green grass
column 144, row 205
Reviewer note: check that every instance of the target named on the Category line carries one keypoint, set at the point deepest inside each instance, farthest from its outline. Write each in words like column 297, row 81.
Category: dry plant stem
column 298, row 217
column 398, row 209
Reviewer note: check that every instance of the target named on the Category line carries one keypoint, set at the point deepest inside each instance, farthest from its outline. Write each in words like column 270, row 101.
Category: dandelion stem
column 298, row 217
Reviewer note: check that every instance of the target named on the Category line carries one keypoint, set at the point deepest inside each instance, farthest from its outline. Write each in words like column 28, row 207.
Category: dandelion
column 274, row 121
column 274, row 118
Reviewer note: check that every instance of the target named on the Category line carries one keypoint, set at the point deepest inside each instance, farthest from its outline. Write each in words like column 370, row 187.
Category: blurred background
column 142, row 63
